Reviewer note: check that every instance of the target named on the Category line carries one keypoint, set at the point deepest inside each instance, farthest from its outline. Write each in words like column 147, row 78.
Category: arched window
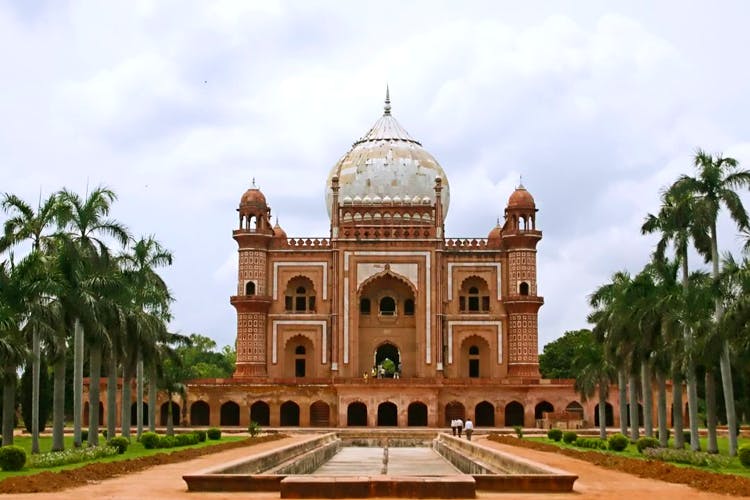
column 523, row 288
column 300, row 349
column 364, row 305
column 250, row 288
column 387, row 306
column 409, row 307
column 474, row 296
column 473, row 350
column 300, row 296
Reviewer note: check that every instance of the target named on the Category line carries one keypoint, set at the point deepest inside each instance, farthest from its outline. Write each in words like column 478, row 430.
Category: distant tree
column 202, row 359
column 556, row 360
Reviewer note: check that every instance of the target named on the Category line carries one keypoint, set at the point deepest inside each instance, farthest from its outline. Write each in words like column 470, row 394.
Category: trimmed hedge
column 119, row 442
column 213, row 433
column 12, row 457
column 555, row 434
column 647, row 442
column 744, row 454
column 618, row 442
column 150, row 440
column 569, row 437
column 201, row 436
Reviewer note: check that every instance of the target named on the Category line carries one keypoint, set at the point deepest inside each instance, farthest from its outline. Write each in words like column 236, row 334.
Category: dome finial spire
column 387, row 107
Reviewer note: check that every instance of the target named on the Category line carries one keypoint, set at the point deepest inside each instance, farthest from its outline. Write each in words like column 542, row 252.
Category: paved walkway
column 165, row 481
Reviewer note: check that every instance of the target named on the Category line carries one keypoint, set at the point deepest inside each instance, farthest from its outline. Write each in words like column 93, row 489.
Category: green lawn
column 135, row 450
column 734, row 467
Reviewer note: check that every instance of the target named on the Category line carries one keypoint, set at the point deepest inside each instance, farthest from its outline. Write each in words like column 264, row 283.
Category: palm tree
column 25, row 224
column 594, row 372
column 718, row 178
column 151, row 297
column 20, row 284
column 676, row 224
column 86, row 220
column 669, row 352
column 612, row 328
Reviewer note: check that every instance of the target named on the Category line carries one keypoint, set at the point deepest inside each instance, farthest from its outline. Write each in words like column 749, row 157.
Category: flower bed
column 98, row 471
column 703, row 480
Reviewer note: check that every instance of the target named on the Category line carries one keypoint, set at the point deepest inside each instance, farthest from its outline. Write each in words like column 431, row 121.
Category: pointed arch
column 387, row 273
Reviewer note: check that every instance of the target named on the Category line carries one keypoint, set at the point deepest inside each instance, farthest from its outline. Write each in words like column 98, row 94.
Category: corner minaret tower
column 253, row 297
column 519, row 238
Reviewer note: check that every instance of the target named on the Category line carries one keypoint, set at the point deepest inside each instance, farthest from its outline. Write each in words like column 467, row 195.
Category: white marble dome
column 387, row 162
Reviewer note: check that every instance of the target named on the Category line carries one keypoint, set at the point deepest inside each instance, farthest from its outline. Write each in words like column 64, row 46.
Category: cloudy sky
column 177, row 105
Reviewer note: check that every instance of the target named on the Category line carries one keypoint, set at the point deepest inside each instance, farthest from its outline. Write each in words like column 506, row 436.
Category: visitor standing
column 453, row 426
column 468, row 428
column 459, row 426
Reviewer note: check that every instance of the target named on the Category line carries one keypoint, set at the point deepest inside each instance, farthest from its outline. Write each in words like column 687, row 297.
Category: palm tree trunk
column 95, row 374
column 603, row 389
column 679, row 436
column 139, row 395
column 9, row 403
column 725, row 365
column 77, row 381
column 622, row 387
column 648, row 402
column 152, row 399
column 35, row 369
column 691, row 377
column 728, row 388
column 633, row 398
column 711, row 420
column 112, row 395
column 58, row 398
column 661, row 383
column 125, row 426
column 170, row 423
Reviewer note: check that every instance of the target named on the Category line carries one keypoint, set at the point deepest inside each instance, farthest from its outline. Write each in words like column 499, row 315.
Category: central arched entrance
column 387, row 414
column 387, row 360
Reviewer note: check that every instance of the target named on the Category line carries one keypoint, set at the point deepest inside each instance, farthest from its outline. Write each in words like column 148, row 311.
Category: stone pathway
column 165, row 482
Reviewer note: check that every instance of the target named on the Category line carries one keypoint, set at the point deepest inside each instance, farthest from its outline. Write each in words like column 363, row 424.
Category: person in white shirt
column 453, row 426
column 468, row 428
column 459, row 426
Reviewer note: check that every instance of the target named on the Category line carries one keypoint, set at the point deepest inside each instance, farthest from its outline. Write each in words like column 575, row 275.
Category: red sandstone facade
column 317, row 318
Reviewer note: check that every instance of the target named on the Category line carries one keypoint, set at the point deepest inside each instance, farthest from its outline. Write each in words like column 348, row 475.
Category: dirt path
column 165, row 481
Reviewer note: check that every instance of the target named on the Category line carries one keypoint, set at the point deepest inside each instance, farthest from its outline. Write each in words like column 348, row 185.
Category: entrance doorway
column 387, row 414
column 387, row 357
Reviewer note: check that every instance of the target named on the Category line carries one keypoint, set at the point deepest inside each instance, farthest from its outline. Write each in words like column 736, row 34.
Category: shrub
column 690, row 457
column 618, row 442
column 254, row 428
column 519, row 431
column 84, row 435
column 186, row 439
column 150, row 440
column 744, row 454
column 593, row 443
column 686, row 436
column 213, row 433
column 647, row 442
column 555, row 434
column 119, row 442
column 104, row 433
column 12, row 457
column 167, row 442
column 201, row 435
column 71, row 456
column 569, row 437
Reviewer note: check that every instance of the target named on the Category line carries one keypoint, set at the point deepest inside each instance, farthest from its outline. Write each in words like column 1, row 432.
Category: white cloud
column 177, row 105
